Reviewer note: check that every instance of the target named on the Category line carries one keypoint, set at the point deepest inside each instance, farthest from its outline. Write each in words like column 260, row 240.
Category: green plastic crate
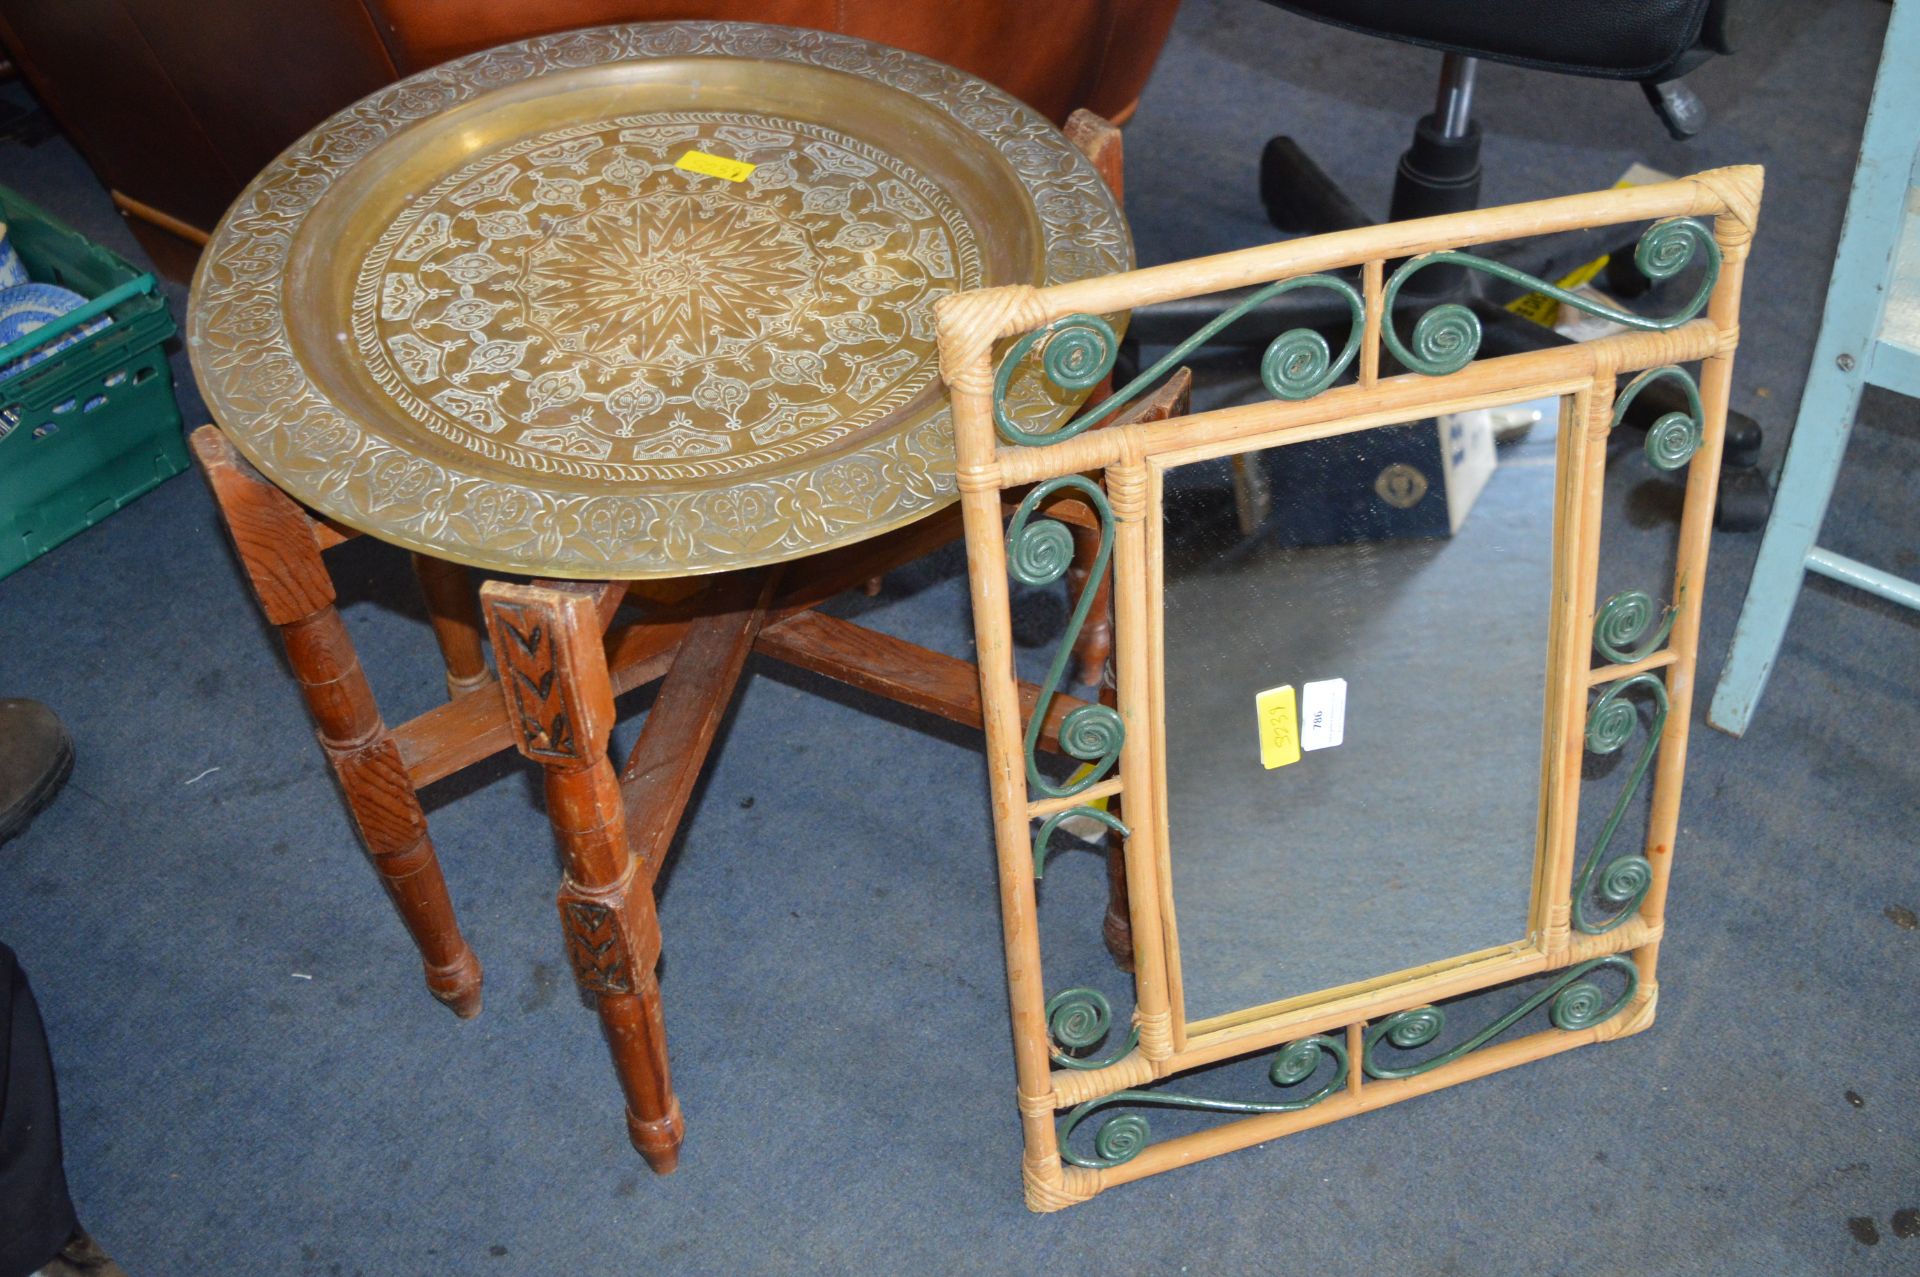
column 95, row 425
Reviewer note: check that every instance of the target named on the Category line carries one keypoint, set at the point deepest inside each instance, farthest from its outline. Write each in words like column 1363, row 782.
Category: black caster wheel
column 1745, row 500
column 1742, row 448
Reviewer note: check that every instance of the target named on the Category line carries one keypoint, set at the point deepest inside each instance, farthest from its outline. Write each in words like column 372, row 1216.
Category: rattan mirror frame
column 1354, row 1026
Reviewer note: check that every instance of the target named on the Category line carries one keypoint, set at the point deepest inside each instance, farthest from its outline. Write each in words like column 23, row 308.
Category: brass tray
column 484, row 313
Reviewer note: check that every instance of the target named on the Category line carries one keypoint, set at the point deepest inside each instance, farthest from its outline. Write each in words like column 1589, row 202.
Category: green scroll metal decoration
column 1039, row 553
column 1447, row 337
column 1042, row 840
column 1676, row 436
column 1623, row 884
column 1577, row 1003
column 1621, row 622
column 1077, row 351
column 1079, row 1018
column 1122, row 1136
column 1620, row 634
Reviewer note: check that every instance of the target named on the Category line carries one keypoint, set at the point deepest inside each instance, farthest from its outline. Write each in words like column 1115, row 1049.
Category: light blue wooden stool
column 1869, row 335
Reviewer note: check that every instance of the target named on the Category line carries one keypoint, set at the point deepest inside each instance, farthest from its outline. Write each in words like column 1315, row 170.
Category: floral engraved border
column 273, row 411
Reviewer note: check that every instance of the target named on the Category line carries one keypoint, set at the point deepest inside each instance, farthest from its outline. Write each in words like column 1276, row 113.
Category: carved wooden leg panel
column 383, row 803
column 277, row 547
column 553, row 672
column 455, row 612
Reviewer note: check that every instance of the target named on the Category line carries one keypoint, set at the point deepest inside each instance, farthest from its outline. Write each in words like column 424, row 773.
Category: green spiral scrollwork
column 1079, row 352
column 1078, row 1019
column 1447, row 337
column 1676, row 436
column 1076, row 351
column 1672, row 441
column 1623, row 884
column 1122, row 1136
column 1577, row 1003
column 1622, row 619
column 1039, row 553
column 1042, row 840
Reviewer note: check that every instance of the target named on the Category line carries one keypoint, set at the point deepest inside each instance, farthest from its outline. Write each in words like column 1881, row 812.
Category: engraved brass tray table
column 643, row 313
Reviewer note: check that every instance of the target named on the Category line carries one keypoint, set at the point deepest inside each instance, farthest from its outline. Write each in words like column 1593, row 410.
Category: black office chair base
column 1298, row 194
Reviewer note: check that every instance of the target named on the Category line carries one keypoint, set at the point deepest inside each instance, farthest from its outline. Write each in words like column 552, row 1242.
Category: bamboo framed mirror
column 1341, row 760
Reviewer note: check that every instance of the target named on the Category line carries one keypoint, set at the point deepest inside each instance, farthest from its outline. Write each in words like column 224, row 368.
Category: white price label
column 1323, row 713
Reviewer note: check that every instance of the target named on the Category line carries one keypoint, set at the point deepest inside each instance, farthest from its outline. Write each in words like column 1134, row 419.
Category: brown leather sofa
column 177, row 103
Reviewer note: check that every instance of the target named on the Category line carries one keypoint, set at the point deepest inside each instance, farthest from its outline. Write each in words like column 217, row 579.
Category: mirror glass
column 1355, row 673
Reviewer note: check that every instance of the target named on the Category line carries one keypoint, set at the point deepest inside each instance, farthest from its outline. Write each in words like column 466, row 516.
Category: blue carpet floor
column 253, row 1079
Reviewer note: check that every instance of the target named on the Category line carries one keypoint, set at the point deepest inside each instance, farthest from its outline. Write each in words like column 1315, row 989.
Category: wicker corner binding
column 1586, row 973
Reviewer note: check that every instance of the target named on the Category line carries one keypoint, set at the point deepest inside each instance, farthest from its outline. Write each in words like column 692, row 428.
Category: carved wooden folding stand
column 1596, row 917
column 648, row 308
column 563, row 653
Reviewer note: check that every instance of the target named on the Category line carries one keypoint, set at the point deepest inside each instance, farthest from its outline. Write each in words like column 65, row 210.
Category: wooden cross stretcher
column 564, row 650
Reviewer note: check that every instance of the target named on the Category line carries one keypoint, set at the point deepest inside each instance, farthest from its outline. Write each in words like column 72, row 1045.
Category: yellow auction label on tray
column 1279, row 727
column 715, row 166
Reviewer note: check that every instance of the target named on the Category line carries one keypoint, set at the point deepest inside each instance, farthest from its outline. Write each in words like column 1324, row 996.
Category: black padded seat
column 1647, row 40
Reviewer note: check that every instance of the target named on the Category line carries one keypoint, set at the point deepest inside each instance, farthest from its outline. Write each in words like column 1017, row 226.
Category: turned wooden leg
column 383, row 802
column 1095, row 643
column 455, row 613
column 1117, row 927
column 275, row 540
column 553, row 672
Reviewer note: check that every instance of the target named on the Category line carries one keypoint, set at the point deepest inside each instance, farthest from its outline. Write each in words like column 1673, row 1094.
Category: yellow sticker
column 715, row 166
column 1080, row 773
column 1544, row 310
column 1279, row 727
